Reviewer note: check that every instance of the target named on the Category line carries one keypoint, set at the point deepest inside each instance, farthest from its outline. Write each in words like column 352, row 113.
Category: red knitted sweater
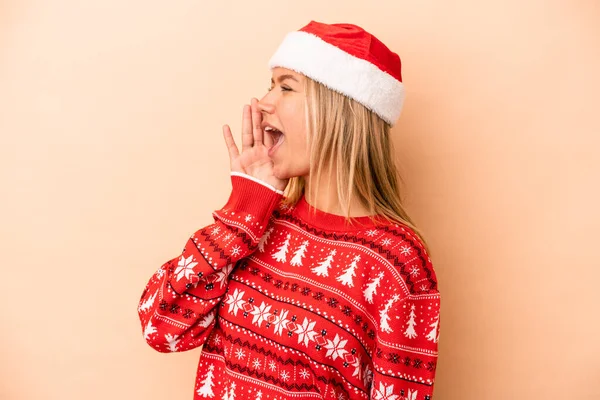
column 294, row 305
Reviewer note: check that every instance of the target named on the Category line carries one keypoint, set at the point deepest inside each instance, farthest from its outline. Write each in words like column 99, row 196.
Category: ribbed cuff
column 250, row 205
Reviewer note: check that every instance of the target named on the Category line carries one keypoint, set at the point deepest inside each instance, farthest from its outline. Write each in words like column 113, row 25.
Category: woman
column 326, row 292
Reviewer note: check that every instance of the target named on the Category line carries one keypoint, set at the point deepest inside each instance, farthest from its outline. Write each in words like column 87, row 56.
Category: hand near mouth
column 254, row 159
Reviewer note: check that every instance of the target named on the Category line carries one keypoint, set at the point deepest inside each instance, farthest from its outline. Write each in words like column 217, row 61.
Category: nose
column 265, row 106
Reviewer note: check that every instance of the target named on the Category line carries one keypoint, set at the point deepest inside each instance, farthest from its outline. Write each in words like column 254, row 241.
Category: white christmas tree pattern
column 235, row 301
column 385, row 319
column 299, row 254
column 225, row 394
column 207, row 320
column 385, row 392
column 372, row 288
column 346, row 277
column 185, row 267
column 146, row 304
column 232, row 391
column 263, row 240
column 149, row 330
column 172, row 342
column 434, row 335
column 410, row 325
column 323, row 268
column 281, row 254
column 207, row 384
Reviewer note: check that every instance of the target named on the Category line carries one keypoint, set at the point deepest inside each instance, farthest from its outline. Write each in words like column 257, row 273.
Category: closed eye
column 283, row 89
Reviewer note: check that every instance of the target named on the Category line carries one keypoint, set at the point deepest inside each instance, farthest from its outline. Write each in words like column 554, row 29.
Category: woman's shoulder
column 406, row 253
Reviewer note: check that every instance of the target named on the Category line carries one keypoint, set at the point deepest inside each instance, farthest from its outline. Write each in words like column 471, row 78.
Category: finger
column 256, row 122
column 230, row 142
column 247, row 138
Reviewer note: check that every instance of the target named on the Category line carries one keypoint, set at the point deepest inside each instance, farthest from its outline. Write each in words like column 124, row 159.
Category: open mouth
column 276, row 135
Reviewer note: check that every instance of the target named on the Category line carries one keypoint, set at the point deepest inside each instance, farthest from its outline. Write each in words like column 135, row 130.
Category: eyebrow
column 281, row 78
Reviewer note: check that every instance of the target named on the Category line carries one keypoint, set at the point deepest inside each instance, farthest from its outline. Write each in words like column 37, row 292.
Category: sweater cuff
column 250, row 205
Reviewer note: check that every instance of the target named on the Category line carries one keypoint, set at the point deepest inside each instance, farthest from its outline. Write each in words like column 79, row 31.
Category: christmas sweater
column 289, row 302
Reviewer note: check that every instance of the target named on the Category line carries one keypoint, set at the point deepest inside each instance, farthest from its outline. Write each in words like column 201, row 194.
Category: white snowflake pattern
column 185, row 267
column 372, row 233
column 335, row 347
column 235, row 301
column 280, row 321
column 236, row 250
column 215, row 230
column 239, row 354
column 229, row 236
column 414, row 271
column 385, row 392
column 285, row 376
column 306, row 331
column 256, row 363
column 304, row 374
column 217, row 340
column 424, row 288
column 160, row 272
column 405, row 250
column 248, row 218
column 386, row 242
column 272, row 365
column 260, row 314
column 357, row 368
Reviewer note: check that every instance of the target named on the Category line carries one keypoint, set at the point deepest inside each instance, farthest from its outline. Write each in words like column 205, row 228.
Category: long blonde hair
column 353, row 142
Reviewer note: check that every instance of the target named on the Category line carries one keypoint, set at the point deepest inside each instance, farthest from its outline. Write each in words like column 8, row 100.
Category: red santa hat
column 349, row 60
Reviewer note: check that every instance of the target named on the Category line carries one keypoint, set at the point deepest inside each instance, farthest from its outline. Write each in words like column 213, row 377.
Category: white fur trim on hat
column 354, row 77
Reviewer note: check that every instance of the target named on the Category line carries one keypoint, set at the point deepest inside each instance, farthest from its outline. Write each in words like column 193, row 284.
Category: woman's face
column 283, row 109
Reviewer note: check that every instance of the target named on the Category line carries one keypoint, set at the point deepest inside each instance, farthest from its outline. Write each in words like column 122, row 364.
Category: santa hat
column 349, row 60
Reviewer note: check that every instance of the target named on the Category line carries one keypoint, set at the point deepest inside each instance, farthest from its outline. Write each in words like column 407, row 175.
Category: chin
column 287, row 173
column 282, row 175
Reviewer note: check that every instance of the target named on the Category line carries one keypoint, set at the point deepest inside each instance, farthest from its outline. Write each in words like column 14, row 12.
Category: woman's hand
column 254, row 159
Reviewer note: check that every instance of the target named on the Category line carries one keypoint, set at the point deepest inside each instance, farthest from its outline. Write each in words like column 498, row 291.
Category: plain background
column 111, row 155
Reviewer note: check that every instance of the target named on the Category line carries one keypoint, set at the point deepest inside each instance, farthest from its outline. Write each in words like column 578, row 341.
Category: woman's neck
column 326, row 198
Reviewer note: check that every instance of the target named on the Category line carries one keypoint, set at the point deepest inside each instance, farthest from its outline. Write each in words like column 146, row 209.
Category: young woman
column 326, row 292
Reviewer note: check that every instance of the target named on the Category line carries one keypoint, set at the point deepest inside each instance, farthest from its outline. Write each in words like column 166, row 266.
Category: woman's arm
column 178, row 306
column 408, row 312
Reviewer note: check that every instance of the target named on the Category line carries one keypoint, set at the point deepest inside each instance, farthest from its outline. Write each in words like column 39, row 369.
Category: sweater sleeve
column 405, row 359
column 178, row 305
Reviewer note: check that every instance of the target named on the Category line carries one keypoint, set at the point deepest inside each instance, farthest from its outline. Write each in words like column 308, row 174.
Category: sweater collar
column 332, row 222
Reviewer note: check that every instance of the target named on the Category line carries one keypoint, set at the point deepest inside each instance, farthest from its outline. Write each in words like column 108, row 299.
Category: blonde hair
column 351, row 141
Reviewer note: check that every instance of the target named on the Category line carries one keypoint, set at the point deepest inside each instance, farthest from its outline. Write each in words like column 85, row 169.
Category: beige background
column 111, row 155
